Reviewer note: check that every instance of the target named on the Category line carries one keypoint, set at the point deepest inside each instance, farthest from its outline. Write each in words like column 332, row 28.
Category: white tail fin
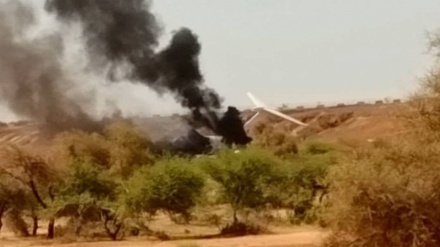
column 254, row 100
column 264, row 107
column 282, row 115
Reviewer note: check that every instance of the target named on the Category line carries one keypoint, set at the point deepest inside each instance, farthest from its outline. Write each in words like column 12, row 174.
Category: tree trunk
column 36, row 194
column 51, row 228
column 78, row 226
column 235, row 222
column 2, row 211
column 113, row 233
column 35, row 226
column 17, row 224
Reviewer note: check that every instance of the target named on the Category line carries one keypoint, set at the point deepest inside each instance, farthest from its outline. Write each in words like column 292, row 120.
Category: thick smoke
column 32, row 82
column 125, row 31
column 121, row 39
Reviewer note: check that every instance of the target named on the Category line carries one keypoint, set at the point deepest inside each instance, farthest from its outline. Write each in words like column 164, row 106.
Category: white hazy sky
column 308, row 51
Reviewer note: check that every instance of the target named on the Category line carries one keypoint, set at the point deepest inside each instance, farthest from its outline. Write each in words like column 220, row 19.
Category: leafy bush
column 91, row 179
column 243, row 177
column 31, row 175
column 299, row 181
column 172, row 186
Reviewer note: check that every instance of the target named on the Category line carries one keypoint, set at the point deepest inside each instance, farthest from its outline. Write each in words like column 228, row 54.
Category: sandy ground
column 306, row 238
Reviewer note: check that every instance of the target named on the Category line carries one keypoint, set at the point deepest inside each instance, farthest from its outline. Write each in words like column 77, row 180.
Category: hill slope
column 342, row 123
column 358, row 122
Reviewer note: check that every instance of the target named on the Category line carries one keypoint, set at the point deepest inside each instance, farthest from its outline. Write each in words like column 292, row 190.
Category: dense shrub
column 243, row 178
column 299, row 182
column 89, row 195
column 91, row 179
column 387, row 197
column 172, row 186
column 32, row 176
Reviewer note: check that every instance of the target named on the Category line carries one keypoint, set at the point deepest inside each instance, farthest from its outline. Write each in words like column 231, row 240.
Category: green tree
column 243, row 177
column 15, row 203
column 33, row 173
column 300, row 181
column 172, row 186
column 90, row 194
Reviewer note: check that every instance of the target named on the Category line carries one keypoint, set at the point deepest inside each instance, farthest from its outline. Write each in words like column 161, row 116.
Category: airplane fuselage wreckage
column 197, row 140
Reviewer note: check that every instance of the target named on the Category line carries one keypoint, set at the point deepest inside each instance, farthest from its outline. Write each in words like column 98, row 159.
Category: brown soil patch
column 307, row 238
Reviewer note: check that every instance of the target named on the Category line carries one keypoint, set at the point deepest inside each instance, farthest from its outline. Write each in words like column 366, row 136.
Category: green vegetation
column 300, row 185
column 112, row 184
column 243, row 179
column 171, row 186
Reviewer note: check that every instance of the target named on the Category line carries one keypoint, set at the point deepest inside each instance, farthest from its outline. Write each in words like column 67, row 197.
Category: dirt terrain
column 300, row 238
column 195, row 234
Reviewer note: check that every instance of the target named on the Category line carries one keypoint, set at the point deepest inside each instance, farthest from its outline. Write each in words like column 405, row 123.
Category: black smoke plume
column 121, row 39
column 125, row 31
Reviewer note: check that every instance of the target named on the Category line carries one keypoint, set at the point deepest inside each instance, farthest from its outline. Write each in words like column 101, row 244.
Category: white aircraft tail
column 261, row 106
column 257, row 102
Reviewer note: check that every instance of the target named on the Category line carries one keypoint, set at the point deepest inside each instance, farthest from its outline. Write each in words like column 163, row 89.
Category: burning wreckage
column 228, row 130
column 181, row 134
column 41, row 79
column 184, row 135
column 119, row 40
